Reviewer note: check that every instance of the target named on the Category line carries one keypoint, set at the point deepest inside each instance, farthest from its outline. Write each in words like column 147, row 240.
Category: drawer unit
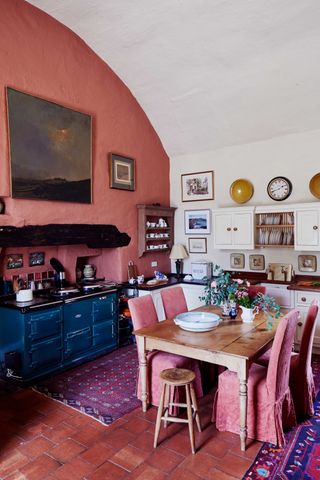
column 305, row 298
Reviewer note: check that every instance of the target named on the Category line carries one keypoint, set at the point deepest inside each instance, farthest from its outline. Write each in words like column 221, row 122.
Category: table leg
column 243, row 396
column 143, row 371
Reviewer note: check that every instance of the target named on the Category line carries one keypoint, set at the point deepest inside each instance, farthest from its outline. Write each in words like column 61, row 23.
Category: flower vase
column 233, row 310
column 248, row 314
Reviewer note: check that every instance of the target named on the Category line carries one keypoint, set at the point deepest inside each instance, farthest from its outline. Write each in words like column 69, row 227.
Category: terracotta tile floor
column 43, row 439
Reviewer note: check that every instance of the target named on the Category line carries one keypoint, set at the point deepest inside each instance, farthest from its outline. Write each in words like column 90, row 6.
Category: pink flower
column 239, row 281
column 248, row 284
column 213, row 284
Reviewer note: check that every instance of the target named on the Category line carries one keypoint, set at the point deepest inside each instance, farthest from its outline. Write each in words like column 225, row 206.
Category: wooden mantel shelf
column 94, row 236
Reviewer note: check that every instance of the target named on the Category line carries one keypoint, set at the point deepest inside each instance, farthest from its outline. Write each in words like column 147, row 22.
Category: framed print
column 50, row 149
column 15, row 260
column 36, row 258
column 197, row 245
column 307, row 263
column 256, row 262
column 197, row 186
column 237, row 260
column 121, row 171
column 197, row 221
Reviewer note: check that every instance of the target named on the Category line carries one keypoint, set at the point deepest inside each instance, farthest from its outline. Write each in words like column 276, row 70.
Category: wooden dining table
column 232, row 344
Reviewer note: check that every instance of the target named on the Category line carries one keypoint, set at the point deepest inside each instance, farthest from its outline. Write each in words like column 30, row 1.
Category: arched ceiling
column 208, row 73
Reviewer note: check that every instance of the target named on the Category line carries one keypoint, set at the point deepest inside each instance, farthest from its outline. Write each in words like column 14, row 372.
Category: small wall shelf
column 152, row 237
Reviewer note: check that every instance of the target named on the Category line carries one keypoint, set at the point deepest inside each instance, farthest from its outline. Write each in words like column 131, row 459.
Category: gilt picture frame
column 197, row 186
column 50, row 149
column 121, row 172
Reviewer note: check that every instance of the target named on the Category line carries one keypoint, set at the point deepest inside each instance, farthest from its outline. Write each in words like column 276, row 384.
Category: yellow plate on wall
column 314, row 185
column 241, row 190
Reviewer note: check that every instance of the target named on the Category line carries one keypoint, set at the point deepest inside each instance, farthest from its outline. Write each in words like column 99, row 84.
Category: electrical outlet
column 154, row 264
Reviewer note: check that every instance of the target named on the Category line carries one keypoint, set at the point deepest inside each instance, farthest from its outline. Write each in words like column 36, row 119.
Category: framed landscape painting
column 50, row 150
column 197, row 222
column 121, row 172
column 197, row 186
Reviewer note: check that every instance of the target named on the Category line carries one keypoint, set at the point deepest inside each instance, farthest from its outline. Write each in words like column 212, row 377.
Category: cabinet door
column 242, row 230
column 105, row 334
column 77, row 315
column 43, row 355
column 192, row 294
column 104, row 308
column 307, row 229
column 303, row 299
column 222, row 230
column 42, row 324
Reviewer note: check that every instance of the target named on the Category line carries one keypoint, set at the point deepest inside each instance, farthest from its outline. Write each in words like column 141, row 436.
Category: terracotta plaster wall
column 40, row 56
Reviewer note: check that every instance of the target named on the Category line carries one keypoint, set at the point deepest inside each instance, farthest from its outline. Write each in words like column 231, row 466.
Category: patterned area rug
column 300, row 459
column 104, row 388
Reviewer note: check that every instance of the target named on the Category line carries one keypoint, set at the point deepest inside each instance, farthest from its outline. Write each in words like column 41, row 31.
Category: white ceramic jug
column 89, row 271
column 248, row 314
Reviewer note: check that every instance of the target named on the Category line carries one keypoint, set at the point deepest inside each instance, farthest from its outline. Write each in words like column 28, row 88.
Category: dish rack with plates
column 275, row 230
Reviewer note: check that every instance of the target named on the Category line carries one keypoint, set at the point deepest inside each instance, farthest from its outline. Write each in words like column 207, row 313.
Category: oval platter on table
column 197, row 321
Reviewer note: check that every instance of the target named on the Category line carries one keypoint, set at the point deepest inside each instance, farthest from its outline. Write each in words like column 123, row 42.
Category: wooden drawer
column 304, row 298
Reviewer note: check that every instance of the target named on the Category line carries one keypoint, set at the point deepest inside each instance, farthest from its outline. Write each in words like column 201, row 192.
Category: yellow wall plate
column 314, row 185
column 241, row 190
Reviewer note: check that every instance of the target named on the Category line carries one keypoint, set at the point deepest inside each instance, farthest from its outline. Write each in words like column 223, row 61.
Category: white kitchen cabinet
column 307, row 227
column 303, row 299
column 283, row 296
column 233, row 228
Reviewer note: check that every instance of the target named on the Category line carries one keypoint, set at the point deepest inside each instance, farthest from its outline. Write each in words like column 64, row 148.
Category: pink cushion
column 174, row 302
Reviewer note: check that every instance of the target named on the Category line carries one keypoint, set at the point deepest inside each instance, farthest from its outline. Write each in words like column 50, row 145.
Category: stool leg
column 166, row 403
column 190, row 418
column 195, row 407
column 159, row 415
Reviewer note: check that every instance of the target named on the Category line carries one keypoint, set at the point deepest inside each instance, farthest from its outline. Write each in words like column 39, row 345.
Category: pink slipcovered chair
column 270, row 407
column 143, row 314
column 254, row 289
column 174, row 302
column 301, row 378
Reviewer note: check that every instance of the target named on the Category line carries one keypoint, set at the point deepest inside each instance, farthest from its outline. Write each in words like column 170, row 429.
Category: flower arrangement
column 220, row 289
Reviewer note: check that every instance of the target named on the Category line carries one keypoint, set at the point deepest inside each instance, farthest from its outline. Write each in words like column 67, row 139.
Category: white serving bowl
column 197, row 321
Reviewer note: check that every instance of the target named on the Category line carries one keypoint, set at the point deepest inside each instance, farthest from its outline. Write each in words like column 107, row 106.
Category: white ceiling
column 208, row 73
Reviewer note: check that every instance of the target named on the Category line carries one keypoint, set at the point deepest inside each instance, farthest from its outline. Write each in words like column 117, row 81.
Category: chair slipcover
column 143, row 314
column 270, row 407
column 301, row 378
column 174, row 302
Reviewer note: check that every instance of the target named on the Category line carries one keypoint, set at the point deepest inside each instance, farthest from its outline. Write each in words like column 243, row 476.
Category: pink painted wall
column 40, row 56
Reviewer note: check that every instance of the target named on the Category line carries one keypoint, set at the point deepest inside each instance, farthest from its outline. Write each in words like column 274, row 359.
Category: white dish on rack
column 197, row 321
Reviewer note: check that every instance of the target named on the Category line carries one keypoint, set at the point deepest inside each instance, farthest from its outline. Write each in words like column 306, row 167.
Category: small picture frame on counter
column 307, row 263
column 237, row 260
column 256, row 262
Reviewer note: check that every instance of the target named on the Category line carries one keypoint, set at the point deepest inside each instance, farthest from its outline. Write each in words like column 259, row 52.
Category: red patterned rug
column 300, row 459
column 104, row 388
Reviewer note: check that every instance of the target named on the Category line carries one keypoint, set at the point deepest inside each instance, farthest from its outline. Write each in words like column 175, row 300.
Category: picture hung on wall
column 197, row 222
column 197, row 245
column 307, row 263
column 36, row 258
column 14, row 260
column 197, row 186
column 256, row 262
column 121, row 172
column 50, row 150
column 237, row 260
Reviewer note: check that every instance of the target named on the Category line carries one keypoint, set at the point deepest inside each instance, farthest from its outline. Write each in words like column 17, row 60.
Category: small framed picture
column 36, row 258
column 307, row 263
column 15, row 260
column 197, row 186
column 237, row 260
column 256, row 262
column 197, row 222
column 121, row 172
column 197, row 245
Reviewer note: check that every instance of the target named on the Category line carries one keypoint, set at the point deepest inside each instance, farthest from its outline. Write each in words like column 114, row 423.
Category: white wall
column 296, row 157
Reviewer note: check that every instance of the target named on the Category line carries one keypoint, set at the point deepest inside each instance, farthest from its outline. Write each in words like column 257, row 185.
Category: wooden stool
column 177, row 377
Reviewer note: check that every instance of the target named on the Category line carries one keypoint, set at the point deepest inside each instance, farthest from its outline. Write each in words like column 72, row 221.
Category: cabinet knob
column 228, row 229
column 315, row 227
column 300, row 324
column 235, row 229
column 303, row 299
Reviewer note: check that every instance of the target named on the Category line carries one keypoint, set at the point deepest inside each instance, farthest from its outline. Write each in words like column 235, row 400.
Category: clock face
column 279, row 188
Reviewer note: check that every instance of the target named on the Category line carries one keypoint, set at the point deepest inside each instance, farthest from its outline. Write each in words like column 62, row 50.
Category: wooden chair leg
column 190, row 418
column 195, row 407
column 159, row 415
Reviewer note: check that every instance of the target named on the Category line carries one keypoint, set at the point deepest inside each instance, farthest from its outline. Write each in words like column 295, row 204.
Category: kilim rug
column 300, row 459
column 104, row 388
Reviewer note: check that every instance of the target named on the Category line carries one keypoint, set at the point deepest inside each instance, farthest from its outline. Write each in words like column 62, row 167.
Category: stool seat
column 177, row 377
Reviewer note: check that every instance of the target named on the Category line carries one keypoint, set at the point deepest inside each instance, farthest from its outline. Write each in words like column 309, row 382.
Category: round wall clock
column 279, row 188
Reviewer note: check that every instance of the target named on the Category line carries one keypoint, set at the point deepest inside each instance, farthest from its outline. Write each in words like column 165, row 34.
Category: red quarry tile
column 117, row 439
column 216, row 447
column 150, row 414
column 11, row 461
column 108, row 471
column 129, row 457
column 66, row 450
column 136, row 425
column 59, row 433
column 75, row 470
column 33, row 430
column 179, row 443
column 219, row 475
column 252, row 449
column 37, row 446
column 144, row 441
column 40, row 468
column 164, row 459
column 55, row 417
column 87, row 436
column 200, row 463
column 97, row 454
column 79, row 420
column 182, row 474
column 234, row 465
column 146, row 472
column 16, row 476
